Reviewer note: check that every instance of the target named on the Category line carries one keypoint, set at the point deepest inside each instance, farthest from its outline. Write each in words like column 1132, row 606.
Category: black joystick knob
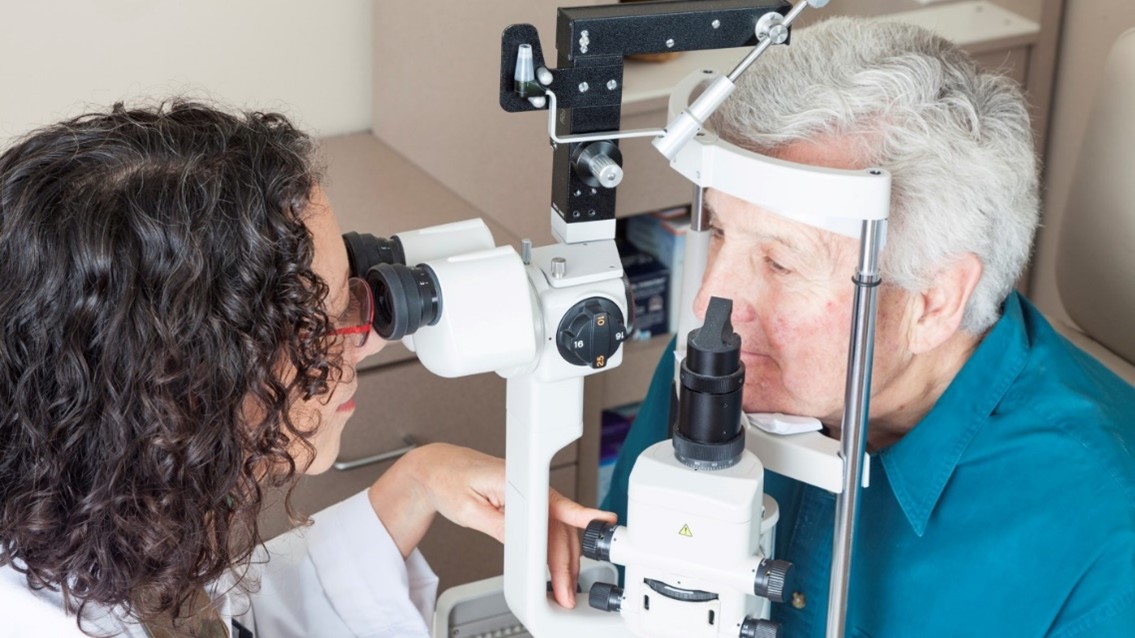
column 774, row 580
column 597, row 540
column 759, row 628
column 605, row 597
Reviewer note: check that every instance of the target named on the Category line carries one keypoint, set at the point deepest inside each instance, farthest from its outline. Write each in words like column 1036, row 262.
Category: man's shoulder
column 1080, row 434
column 1066, row 427
column 1066, row 392
column 1058, row 369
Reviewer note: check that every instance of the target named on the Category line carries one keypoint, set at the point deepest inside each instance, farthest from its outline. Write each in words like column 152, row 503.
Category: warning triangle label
column 685, row 531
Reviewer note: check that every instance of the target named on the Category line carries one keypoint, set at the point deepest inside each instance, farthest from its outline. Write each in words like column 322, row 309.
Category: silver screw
column 526, row 251
column 717, row 24
column 559, row 267
column 670, row 43
column 583, row 87
column 771, row 26
column 584, row 40
column 544, row 75
column 779, row 34
column 612, row 85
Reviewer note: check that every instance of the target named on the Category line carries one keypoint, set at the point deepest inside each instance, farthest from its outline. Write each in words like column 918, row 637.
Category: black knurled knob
column 591, row 332
column 605, row 597
column 759, row 628
column 774, row 580
column 597, row 540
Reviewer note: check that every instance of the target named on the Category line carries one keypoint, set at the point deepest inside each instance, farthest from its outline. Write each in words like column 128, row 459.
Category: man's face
column 792, row 293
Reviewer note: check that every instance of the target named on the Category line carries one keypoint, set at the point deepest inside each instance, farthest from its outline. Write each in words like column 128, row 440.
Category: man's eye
column 716, row 231
column 775, row 267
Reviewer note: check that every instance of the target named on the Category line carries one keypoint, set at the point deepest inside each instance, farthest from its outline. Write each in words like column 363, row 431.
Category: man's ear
column 941, row 306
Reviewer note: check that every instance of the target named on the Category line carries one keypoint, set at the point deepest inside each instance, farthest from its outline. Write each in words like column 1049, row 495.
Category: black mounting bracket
column 588, row 79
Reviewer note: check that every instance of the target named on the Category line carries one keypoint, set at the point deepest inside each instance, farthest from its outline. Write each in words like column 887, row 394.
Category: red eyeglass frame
column 360, row 292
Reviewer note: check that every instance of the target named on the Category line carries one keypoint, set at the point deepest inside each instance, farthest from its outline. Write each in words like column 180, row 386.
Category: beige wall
column 1090, row 28
column 307, row 58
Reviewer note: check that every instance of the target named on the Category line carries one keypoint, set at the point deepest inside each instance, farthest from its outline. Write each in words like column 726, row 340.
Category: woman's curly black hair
column 158, row 317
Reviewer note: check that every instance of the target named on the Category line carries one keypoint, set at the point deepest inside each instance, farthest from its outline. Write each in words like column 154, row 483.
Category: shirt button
column 798, row 600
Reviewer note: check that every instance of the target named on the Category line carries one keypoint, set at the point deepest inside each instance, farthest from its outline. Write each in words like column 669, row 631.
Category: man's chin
column 764, row 405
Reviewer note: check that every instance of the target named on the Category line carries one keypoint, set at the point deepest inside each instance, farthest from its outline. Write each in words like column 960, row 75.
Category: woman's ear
column 941, row 306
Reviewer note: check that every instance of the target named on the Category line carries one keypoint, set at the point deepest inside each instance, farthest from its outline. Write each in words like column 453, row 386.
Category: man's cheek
column 812, row 350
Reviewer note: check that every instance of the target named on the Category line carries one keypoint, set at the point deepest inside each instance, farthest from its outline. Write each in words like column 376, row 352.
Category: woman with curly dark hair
column 178, row 332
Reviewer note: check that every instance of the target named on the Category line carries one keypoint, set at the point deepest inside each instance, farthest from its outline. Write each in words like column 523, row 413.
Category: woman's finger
column 563, row 566
column 568, row 511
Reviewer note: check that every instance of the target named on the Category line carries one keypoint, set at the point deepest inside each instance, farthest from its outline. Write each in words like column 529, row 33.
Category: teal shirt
column 1009, row 510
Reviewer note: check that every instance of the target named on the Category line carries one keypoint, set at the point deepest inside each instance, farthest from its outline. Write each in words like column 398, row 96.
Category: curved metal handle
column 344, row 466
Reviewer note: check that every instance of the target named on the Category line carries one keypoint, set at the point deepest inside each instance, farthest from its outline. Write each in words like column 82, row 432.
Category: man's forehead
column 758, row 223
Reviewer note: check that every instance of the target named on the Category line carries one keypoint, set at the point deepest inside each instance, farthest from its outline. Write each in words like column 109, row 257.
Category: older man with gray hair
column 1002, row 497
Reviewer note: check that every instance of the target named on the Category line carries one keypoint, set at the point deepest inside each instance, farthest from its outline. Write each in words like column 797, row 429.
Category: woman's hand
column 468, row 488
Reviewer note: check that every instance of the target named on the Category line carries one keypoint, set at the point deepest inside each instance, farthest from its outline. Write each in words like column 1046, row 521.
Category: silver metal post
column 699, row 218
column 553, row 105
column 853, row 435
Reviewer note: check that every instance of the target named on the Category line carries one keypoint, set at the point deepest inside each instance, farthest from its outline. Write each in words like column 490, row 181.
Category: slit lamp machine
column 562, row 312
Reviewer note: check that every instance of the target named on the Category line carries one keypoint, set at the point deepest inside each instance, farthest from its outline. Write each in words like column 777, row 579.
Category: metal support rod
column 749, row 59
column 696, row 255
column 591, row 137
column 766, row 42
column 853, row 434
column 699, row 217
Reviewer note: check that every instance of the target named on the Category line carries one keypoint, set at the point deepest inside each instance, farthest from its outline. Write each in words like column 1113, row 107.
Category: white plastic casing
column 544, row 413
column 579, row 232
column 445, row 240
column 697, row 530
column 827, row 198
column 486, row 315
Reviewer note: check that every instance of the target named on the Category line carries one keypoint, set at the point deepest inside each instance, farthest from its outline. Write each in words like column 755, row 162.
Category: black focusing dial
column 591, row 332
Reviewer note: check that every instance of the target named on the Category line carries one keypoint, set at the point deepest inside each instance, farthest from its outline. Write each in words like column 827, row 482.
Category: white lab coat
column 343, row 576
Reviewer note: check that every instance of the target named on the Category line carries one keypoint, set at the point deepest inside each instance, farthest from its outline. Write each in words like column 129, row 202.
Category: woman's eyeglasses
column 354, row 325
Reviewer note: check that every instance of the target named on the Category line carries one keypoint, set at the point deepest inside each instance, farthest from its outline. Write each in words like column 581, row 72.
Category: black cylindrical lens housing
column 707, row 417
column 365, row 251
column 710, row 434
column 405, row 299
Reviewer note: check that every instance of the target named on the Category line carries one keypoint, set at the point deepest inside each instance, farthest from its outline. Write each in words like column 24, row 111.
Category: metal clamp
column 344, row 466
column 771, row 25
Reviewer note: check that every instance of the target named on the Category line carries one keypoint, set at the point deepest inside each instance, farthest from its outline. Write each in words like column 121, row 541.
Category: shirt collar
column 922, row 462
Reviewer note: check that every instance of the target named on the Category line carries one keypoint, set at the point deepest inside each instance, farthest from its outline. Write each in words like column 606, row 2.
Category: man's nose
column 724, row 278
